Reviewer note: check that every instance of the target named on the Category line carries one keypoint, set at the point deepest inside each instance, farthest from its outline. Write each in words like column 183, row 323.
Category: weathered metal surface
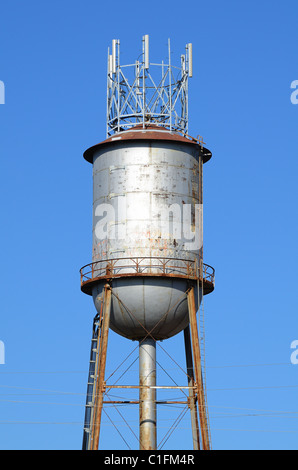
column 100, row 372
column 147, row 394
column 152, row 291
column 139, row 183
column 146, row 266
column 162, row 387
column 192, row 398
column 141, row 305
column 150, row 132
column 137, row 402
column 192, row 307
column 145, row 194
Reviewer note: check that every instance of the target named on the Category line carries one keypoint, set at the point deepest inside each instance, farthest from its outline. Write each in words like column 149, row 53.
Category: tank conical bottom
column 146, row 305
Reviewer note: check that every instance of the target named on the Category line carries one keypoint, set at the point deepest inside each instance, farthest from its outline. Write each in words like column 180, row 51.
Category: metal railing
column 146, row 266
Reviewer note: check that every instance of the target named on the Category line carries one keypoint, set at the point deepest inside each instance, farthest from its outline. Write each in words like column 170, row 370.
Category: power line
column 265, row 387
column 251, row 365
column 58, row 392
column 250, row 409
column 261, row 412
column 181, row 428
column 45, row 372
column 41, row 403
column 255, row 430
column 171, row 368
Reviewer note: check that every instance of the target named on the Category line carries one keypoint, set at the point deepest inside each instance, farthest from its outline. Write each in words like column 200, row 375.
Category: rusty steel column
column 198, row 369
column 99, row 392
column 147, row 395
column 191, row 383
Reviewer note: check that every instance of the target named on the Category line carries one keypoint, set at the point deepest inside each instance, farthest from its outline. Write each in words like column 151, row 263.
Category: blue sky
column 53, row 64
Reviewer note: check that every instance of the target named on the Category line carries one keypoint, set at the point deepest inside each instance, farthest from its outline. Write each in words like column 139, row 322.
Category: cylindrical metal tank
column 147, row 232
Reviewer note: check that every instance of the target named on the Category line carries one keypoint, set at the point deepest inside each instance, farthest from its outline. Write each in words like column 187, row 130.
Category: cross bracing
column 143, row 92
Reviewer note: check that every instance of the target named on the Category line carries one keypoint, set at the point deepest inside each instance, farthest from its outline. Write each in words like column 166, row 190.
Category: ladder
column 201, row 318
column 91, row 384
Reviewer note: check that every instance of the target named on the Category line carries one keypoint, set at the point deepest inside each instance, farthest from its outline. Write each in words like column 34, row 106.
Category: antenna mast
column 162, row 102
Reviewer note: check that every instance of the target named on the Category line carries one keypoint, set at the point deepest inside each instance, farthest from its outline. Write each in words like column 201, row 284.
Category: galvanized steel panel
column 139, row 181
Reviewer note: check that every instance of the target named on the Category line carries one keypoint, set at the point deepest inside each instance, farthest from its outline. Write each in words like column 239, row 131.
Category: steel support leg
column 198, row 369
column 191, row 383
column 99, row 392
column 147, row 407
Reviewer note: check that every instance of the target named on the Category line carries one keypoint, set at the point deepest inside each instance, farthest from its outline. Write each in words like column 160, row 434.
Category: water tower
column 147, row 276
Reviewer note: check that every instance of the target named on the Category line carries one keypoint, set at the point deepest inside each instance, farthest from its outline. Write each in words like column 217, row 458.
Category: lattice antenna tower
column 147, row 93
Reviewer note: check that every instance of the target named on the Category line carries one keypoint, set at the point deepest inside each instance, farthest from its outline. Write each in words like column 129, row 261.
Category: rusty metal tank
column 147, row 232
